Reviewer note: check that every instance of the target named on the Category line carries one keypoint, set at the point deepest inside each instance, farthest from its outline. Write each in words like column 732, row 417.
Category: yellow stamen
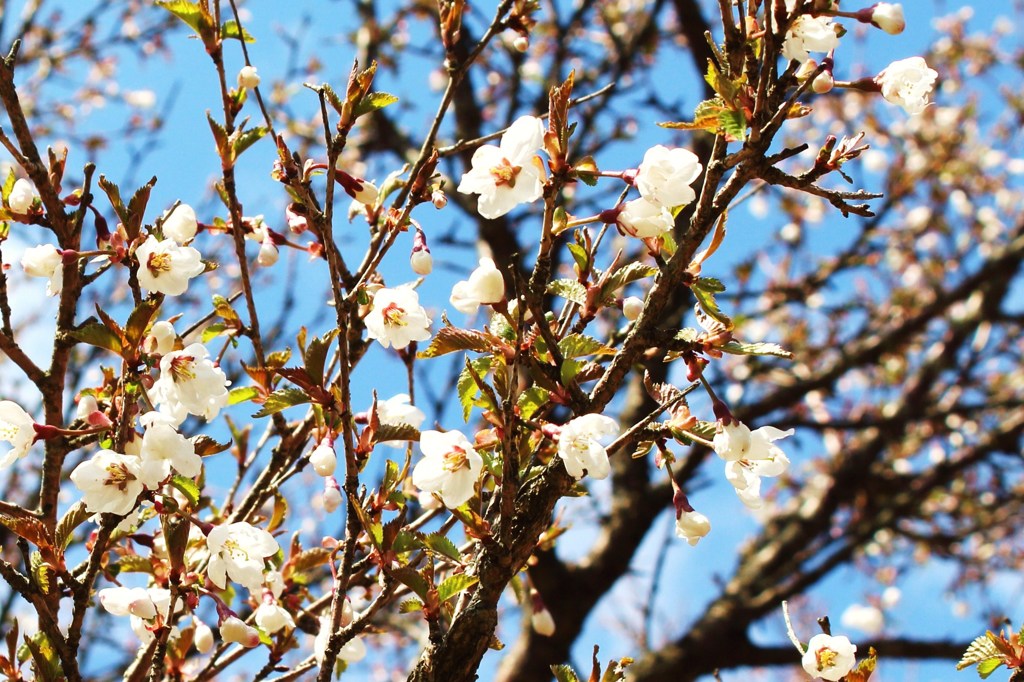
column 505, row 173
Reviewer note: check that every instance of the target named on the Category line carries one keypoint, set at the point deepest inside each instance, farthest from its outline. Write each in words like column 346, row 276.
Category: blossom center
column 826, row 658
column 505, row 173
column 580, row 445
column 8, row 431
column 159, row 262
column 456, row 459
column 119, row 477
column 393, row 315
column 234, row 550
column 182, row 368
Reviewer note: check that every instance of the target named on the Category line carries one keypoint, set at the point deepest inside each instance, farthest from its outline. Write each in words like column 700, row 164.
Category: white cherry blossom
column 665, row 175
column 166, row 267
column 397, row 411
column 181, row 224
column 643, row 219
column 190, row 383
column 272, row 617
column 161, row 600
column 509, row 174
column 352, row 651
column 829, row 658
column 124, row 601
column 485, row 286
column 161, row 338
column 809, row 34
column 238, row 551
column 887, row 16
column 248, row 78
column 324, row 459
column 692, row 526
column 45, row 261
column 908, row 83
column 163, row 449
column 396, row 318
column 22, row 196
column 110, row 482
column 580, row 448
column 17, row 429
column 450, row 467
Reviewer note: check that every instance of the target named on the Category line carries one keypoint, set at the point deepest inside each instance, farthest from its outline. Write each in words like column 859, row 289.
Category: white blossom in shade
column 181, row 224
column 45, row 261
column 22, row 196
column 163, row 449
column 161, row 338
column 234, row 630
column 746, row 483
column 509, row 174
column 110, row 482
column 190, row 383
column 888, row 17
column 737, row 442
column 396, row 318
column 324, row 459
column 579, row 445
column 17, row 429
column 642, row 219
column 632, row 306
column 124, row 601
column 248, row 78
column 237, row 551
column 166, row 267
column 732, row 441
column 351, row 651
column 484, row 287
column 829, row 658
column 692, row 526
column 868, row 619
column 908, row 83
column 450, row 467
column 542, row 622
column 809, row 34
column 665, row 175
column 203, row 637
column 272, row 617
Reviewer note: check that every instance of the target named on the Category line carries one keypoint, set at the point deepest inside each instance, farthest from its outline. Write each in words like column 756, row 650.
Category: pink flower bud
column 332, row 495
column 232, row 629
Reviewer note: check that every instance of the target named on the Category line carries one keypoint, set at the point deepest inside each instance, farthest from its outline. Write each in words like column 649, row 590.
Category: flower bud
column 332, row 495
column 248, row 78
column 22, row 196
column 543, row 623
column 521, row 43
column 203, row 638
column 438, row 198
column 232, row 629
column 86, row 405
column 632, row 307
column 824, row 82
column 161, row 338
column 323, row 459
column 886, row 16
column 268, row 254
column 180, row 224
column 272, row 617
column 420, row 260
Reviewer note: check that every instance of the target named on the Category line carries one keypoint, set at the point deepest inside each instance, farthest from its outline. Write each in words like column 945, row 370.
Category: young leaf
column 760, row 348
column 439, row 544
column 452, row 339
column 232, row 31
column 189, row 12
column 241, row 141
column 564, row 673
column 188, row 488
column 96, row 334
column 374, row 101
column 241, row 394
column 569, row 289
column 282, row 399
column 72, row 519
column 454, row 585
column 578, row 346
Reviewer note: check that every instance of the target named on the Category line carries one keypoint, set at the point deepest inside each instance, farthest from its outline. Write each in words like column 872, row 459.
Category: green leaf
column 96, row 334
column 531, row 400
column 410, row 606
column 569, row 289
column 373, row 102
column 710, row 284
column 220, row 137
column 733, row 123
column 760, row 348
column 72, row 519
column 232, row 31
column 579, row 254
column 706, row 302
column 187, row 487
column 626, row 275
column 454, row 585
column 315, row 356
column 134, row 563
column 282, row 399
column 565, row 673
column 439, row 544
column 981, row 649
column 452, row 339
column 189, row 12
column 413, row 580
column 466, row 386
column 570, row 368
column 40, row 571
column 389, row 432
column 241, row 394
column 243, row 140
column 989, row 666
column 8, row 184
column 578, row 346
column 139, row 321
